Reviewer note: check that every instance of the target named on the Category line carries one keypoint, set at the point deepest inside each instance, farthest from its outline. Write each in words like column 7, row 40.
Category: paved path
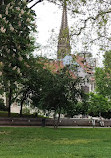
column 58, row 127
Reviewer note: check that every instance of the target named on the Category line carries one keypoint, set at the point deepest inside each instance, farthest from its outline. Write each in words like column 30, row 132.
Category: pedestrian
column 101, row 122
column 93, row 122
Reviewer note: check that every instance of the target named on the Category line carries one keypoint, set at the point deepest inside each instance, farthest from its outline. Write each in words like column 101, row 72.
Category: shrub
column 26, row 110
column 2, row 105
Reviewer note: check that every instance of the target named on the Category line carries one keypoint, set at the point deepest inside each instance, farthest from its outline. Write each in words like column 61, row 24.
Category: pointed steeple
column 64, row 39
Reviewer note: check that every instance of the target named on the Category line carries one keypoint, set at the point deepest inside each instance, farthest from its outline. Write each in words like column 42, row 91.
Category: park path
column 53, row 127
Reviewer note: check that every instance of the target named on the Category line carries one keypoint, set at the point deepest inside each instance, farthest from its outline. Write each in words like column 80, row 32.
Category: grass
column 5, row 114
column 32, row 142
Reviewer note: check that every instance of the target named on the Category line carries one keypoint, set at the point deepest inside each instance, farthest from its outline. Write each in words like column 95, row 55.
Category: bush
column 2, row 105
column 26, row 110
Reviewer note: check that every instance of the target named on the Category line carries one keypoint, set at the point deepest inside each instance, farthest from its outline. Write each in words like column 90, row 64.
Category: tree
column 60, row 93
column 16, row 43
column 103, row 83
column 98, row 104
column 80, row 108
column 103, row 77
column 31, row 83
column 107, row 62
column 2, row 106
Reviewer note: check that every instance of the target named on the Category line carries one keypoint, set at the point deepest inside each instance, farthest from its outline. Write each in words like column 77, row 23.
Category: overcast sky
column 48, row 19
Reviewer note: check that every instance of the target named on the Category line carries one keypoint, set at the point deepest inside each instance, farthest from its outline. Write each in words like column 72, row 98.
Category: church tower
column 64, row 39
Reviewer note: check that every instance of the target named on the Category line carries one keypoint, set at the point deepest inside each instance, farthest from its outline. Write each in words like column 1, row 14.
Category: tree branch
column 35, row 3
column 52, row 1
column 91, row 18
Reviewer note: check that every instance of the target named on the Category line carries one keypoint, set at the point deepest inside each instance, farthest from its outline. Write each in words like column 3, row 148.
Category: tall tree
column 103, row 77
column 16, row 43
column 103, row 84
column 107, row 62
column 60, row 93
column 98, row 104
column 31, row 83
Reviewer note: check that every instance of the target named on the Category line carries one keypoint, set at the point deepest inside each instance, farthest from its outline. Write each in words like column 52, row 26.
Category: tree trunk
column 9, row 101
column 21, row 105
column 55, row 119
column 57, row 124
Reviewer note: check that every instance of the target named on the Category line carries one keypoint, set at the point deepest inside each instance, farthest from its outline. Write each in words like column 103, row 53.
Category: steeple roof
column 64, row 23
column 64, row 39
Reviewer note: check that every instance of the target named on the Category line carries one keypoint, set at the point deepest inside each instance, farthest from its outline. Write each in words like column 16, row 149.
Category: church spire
column 63, row 39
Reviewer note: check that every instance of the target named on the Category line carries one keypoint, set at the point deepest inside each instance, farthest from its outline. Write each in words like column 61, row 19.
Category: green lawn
column 31, row 142
column 5, row 114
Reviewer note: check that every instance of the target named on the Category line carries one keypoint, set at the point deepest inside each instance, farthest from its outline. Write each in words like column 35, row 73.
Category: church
column 80, row 65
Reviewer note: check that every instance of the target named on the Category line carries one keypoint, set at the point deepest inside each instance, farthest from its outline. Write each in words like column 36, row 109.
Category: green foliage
column 103, row 82
column 16, row 44
column 103, row 77
column 32, row 81
column 103, row 87
column 84, row 1
column 60, row 92
column 26, row 110
column 98, row 104
column 81, row 107
column 107, row 62
column 2, row 106
column 16, row 23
